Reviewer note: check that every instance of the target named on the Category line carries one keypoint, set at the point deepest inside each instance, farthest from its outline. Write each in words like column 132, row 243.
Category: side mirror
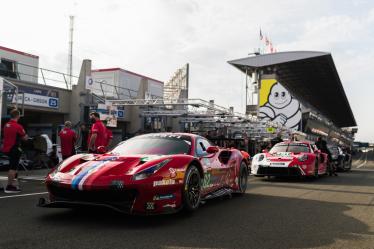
column 212, row 150
column 101, row 149
column 265, row 151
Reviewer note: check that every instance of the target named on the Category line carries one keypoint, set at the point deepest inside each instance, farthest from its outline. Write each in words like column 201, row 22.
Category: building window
column 8, row 68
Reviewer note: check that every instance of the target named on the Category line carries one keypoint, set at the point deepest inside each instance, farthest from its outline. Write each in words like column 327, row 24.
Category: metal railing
column 53, row 78
column 39, row 75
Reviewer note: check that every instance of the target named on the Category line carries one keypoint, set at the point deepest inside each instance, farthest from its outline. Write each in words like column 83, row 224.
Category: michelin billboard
column 278, row 105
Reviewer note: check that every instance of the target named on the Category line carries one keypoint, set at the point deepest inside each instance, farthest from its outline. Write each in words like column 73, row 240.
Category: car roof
column 171, row 133
column 296, row 142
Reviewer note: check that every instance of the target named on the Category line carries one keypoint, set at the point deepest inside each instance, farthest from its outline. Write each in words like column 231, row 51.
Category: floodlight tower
column 70, row 53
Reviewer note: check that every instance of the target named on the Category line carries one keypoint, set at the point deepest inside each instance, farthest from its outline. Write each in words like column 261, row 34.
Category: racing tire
column 191, row 191
column 242, row 178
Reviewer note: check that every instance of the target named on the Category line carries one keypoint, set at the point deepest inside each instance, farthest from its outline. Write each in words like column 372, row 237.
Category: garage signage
column 37, row 97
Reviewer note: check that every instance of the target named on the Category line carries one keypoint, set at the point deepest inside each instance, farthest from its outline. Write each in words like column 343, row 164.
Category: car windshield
column 295, row 148
column 155, row 145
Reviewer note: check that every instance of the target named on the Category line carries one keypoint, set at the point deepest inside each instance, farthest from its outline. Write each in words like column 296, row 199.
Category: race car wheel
column 243, row 178
column 192, row 189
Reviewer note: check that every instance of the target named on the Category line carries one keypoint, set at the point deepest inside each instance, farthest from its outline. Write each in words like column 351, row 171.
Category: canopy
column 310, row 76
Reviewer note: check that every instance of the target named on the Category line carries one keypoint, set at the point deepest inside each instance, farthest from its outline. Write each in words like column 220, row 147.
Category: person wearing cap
column 68, row 137
column 13, row 133
column 322, row 146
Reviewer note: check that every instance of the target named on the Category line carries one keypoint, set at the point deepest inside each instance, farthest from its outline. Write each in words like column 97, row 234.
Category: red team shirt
column 109, row 135
column 98, row 128
column 13, row 131
column 68, row 138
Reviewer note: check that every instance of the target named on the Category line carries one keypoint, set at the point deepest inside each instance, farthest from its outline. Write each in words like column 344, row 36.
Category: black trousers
column 14, row 156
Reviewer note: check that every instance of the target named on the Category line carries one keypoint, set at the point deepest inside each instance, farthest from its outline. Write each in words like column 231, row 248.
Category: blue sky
column 155, row 37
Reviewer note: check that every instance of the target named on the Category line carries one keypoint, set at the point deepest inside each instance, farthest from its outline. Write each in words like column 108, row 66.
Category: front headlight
column 261, row 157
column 145, row 173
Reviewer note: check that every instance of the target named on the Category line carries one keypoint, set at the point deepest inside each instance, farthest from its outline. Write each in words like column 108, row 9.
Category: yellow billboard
column 278, row 105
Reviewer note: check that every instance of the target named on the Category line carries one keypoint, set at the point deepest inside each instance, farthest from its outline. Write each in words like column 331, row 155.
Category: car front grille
column 278, row 171
column 96, row 196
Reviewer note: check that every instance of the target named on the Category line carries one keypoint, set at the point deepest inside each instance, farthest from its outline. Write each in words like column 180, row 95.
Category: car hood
column 109, row 165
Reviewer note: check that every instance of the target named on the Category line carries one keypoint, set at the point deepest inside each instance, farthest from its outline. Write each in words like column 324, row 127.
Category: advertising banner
column 89, row 83
column 278, row 105
column 109, row 113
column 37, row 97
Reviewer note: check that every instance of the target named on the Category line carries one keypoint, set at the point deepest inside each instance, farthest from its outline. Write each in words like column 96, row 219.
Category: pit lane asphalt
column 331, row 212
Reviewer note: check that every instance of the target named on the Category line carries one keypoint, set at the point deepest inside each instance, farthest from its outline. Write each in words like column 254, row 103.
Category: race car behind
column 290, row 159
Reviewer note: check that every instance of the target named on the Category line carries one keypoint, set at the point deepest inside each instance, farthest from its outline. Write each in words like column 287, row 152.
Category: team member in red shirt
column 68, row 138
column 97, row 134
column 109, row 137
column 13, row 133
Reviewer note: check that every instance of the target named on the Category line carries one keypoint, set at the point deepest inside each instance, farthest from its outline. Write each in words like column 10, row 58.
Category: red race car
column 148, row 174
column 290, row 159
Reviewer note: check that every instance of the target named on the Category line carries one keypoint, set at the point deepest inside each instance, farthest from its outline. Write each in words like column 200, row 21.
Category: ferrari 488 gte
column 148, row 174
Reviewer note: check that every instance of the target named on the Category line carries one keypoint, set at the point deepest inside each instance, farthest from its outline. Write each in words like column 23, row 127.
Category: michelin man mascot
column 282, row 108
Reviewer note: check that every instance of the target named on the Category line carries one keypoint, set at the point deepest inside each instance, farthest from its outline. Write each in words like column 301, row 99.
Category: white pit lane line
column 363, row 164
column 22, row 195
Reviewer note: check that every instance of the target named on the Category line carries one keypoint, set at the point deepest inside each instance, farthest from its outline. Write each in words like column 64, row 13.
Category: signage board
column 37, row 97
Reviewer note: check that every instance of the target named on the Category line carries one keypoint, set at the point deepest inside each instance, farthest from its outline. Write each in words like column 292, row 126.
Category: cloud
column 155, row 37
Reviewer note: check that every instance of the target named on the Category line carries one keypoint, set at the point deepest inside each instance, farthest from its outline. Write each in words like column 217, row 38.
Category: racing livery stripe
column 75, row 182
column 90, row 173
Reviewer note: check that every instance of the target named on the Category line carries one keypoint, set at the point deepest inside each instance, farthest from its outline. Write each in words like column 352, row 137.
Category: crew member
column 13, row 133
column 68, row 138
column 322, row 146
column 277, row 139
column 84, row 133
column 97, row 136
column 109, row 137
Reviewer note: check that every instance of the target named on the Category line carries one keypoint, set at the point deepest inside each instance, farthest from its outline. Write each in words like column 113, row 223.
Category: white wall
column 124, row 80
column 26, row 73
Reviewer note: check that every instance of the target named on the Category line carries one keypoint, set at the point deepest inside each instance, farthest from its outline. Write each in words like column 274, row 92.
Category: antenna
column 70, row 56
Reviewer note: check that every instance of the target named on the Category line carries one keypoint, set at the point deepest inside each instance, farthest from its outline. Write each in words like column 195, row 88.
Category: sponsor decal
column 173, row 173
column 110, row 158
column 285, row 154
column 277, row 164
column 163, row 197
column 170, row 206
column 176, row 173
column 207, row 181
column 118, row 184
column 150, row 206
column 164, row 182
